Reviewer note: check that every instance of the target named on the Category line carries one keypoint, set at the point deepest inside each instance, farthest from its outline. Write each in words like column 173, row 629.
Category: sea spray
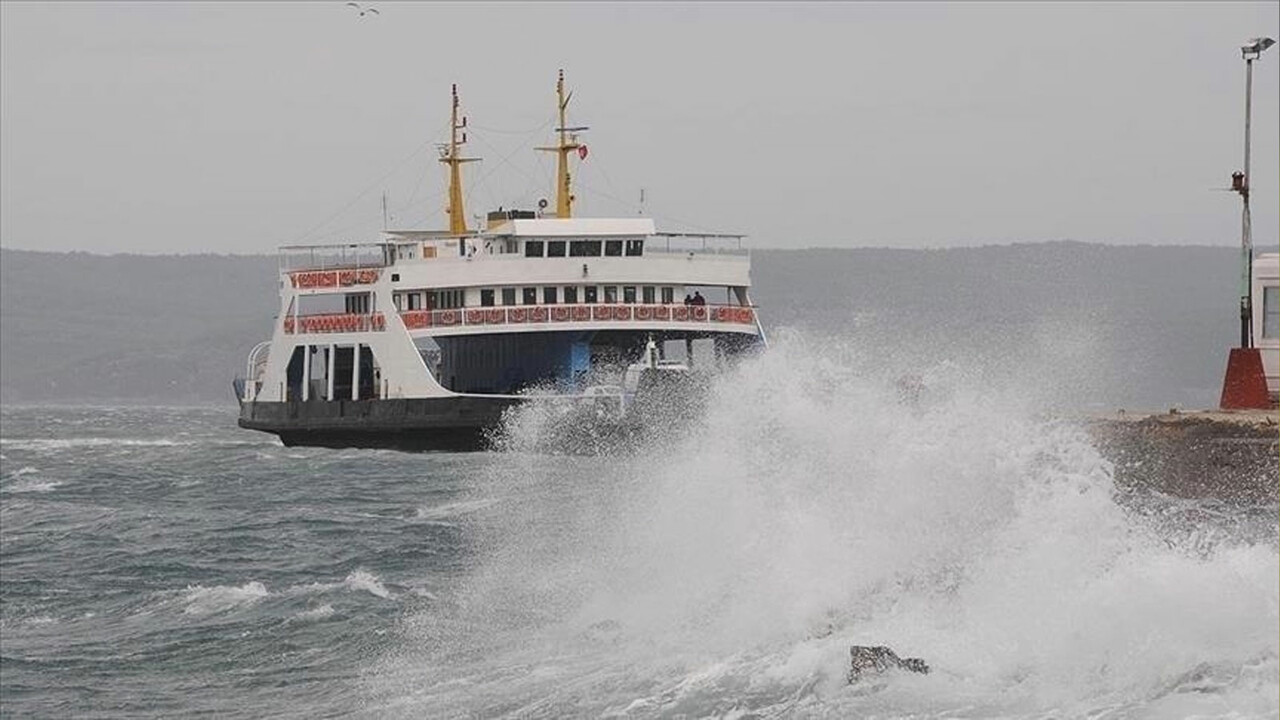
column 810, row 508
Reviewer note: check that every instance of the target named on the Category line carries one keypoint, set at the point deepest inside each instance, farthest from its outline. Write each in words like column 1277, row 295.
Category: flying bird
column 363, row 11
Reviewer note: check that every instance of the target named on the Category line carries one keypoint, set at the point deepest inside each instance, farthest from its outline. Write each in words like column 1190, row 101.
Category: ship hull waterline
column 411, row 424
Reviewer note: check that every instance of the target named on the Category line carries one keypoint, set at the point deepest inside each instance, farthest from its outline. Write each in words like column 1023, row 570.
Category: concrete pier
column 1228, row 455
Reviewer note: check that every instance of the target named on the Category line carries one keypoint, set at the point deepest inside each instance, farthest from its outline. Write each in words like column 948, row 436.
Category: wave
column 812, row 507
column 316, row 613
column 453, row 509
column 359, row 581
column 51, row 444
column 32, row 486
column 200, row 600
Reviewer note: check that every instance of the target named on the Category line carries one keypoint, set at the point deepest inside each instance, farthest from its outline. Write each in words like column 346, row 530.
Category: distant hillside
column 1138, row 326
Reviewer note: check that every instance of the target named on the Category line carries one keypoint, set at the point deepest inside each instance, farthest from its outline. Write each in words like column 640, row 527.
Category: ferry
column 425, row 338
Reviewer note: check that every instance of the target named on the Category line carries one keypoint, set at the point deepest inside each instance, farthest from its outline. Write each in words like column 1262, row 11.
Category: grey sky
column 235, row 127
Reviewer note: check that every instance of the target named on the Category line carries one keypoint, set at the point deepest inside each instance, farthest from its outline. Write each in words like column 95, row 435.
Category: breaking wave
column 221, row 598
column 728, row 570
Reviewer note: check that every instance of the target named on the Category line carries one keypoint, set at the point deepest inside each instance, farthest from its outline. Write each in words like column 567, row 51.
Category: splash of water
column 728, row 570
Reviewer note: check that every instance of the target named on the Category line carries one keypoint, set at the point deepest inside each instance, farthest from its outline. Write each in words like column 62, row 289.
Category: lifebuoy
column 288, row 324
column 724, row 314
column 661, row 312
column 495, row 317
column 622, row 312
column 643, row 312
column 601, row 312
column 745, row 315
column 516, row 315
column 379, row 321
column 366, row 277
column 448, row 317
column 581, row 313
column 347, row 278
column 560, row 314
column 475, row 317
column 538, row 314
column 680, row 313
column 700, row 312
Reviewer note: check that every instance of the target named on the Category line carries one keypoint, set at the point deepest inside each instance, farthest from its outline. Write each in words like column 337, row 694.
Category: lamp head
column 1255, row 47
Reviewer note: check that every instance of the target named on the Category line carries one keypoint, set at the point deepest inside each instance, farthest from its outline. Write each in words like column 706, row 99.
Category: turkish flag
column 582, row 152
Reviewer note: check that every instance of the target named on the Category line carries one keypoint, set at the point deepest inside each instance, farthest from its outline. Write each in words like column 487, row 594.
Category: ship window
column 549, row 295
column 589, row 294
column 508, row 296
column 398, row 301
column 555, row 248
column 570, row 294
column 668, row 295
column 635, row 248
column 533, row 248
column 629, row 294
column 611, row 293
column 529, row 296
column 357, row 303
column 647, row 294
column 486, row 297
column 415, row 301
column 1270, row 312
column 613, row 248
column 584, row 248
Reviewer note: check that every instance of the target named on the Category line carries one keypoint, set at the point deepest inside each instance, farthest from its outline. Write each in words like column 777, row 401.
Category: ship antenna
column 568, row 144
column 449, row 156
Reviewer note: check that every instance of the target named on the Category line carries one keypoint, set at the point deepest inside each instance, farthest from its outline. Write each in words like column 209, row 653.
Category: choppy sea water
column 161, row 562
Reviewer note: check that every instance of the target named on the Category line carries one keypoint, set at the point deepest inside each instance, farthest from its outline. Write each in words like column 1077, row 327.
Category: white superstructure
column 451, row 324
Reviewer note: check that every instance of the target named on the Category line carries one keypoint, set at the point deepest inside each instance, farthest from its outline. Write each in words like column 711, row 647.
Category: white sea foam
column 367, row 582
column 32, row 486
column 200, row 600
column 810, row 510
column 49, row 444
column 315, row 613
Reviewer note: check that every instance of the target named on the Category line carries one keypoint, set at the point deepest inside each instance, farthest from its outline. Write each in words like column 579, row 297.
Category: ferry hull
column 414, row 424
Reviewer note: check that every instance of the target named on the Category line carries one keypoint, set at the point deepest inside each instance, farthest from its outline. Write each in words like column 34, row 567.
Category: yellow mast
column 568, row 144
column 449, row 156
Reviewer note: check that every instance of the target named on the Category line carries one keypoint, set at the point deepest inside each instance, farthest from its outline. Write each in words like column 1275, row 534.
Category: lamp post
column 1240, row 183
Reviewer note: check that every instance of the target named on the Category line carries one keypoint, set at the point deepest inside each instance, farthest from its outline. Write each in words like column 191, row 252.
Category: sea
column 160, row 562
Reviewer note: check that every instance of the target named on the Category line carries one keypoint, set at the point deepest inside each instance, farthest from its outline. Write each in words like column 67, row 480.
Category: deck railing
column 553, row 314
column 335, row 323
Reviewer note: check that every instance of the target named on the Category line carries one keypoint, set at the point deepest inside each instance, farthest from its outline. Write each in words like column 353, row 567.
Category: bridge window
column 629, row 294
column 589, row 294
column 529, row 296
column 533, row 248
column 549, row 295
column 486, row 297
column 508, row 296
column 613, row 248
column 570, row 294
column 647, row 294
column 668, row 295
column 584, row 248
column 1270, row 312
column 611, row 293
column 555, row 248
column 635, row 248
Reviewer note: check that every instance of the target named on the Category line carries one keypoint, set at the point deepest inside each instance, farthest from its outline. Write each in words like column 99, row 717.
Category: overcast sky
column 237, row 127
